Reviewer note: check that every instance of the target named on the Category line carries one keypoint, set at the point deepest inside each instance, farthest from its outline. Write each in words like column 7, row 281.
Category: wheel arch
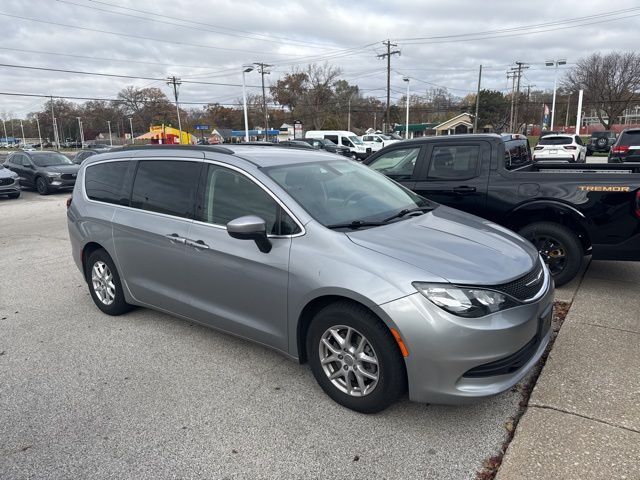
column 87, row 250
column 551, row 211
column 313, row 306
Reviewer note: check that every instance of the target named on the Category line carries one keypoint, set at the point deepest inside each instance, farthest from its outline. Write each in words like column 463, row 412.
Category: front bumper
column 57, row 183
column 11, row 188
column 455, row 360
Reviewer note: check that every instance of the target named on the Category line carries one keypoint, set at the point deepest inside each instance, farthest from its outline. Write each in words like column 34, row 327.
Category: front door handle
column 464, row 190
column 199, row 244
column 175, row 238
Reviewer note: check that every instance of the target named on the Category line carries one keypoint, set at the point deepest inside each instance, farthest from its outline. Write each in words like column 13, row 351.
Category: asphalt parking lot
column 145, row 395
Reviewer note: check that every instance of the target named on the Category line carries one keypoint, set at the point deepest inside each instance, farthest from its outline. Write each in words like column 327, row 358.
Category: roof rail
column 203, row 148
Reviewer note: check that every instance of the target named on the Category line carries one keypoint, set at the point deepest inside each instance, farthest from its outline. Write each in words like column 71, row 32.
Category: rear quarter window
column 108, row 182
column 630, row 138
column 516, row 154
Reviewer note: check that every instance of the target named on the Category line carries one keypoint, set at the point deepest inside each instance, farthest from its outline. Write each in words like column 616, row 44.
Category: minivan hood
column 456, row 246
column 63, row 168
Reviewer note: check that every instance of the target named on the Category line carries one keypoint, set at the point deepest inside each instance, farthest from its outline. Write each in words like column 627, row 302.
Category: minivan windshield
column 49, row 159
column 346, row 193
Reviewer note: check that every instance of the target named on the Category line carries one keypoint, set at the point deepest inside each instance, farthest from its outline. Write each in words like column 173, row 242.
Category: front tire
column 559, row 247
column 104, row 284
column 41, row 186
column 355, row 358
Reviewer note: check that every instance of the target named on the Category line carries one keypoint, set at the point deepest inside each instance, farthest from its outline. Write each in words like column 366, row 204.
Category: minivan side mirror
column 250, row 227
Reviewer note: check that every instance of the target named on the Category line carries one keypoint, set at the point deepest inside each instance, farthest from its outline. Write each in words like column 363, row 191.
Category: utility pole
column 39, row 133
column 176, row 83
column 56, row 139
column 475, row 119
column 518, row 70
column 262, row 68
column 388, row 44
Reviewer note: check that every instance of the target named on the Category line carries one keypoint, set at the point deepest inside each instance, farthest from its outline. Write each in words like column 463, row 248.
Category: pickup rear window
column 516, row 154
column 555, row 141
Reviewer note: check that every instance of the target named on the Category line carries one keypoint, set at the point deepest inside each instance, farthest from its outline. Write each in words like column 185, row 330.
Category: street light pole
column 349, row 111
column 554, row 63
column 406, row 126
column 110, row 137
column 245, row 69
column 23, row 140
column 39, row 134
column 131, row 126
column 81, row 132
column 6, row 139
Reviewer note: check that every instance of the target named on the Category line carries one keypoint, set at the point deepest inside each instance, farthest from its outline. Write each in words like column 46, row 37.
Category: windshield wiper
column 354, row 225
column 407, row 211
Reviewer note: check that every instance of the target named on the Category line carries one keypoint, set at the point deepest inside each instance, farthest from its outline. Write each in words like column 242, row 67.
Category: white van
column 377, row 141
column 342, row 137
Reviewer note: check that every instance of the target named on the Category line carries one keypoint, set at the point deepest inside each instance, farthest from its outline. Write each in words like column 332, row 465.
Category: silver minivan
column 380, row 290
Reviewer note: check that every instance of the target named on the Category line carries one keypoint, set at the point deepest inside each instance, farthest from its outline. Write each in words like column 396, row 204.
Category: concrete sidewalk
column 583, row 419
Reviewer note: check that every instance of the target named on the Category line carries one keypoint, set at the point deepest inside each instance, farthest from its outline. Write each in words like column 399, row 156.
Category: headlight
column 53, row 174
column 465, row 302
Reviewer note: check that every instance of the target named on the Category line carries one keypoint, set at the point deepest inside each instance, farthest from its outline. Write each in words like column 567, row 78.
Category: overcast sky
column 208, row 41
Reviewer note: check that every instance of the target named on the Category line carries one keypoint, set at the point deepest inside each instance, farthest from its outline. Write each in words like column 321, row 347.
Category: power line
column 114, row 75
column 527, row 27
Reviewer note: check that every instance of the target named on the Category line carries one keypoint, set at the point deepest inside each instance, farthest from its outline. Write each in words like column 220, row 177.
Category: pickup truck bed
column 566, row 210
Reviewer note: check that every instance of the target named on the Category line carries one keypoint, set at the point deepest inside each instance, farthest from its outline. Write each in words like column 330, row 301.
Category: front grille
column 68, row 176
column 519, row 288
column 506, row 365
column 6, row 181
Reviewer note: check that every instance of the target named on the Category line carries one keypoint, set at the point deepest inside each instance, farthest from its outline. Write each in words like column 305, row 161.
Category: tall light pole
column 110, row 137
column 245, row 69
column 406, row 126
column 4, row 125
column 81, row 131
column 349, row 112
column 554, row 63
column 131, row 126
column 23, row 140
column 39, row 133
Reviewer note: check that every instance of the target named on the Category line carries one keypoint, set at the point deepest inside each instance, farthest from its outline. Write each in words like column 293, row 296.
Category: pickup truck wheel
column 559, row 247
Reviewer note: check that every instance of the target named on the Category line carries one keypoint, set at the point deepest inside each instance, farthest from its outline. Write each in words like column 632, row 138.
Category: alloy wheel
column 102, row 281
column 349, row 360
column 552, row 251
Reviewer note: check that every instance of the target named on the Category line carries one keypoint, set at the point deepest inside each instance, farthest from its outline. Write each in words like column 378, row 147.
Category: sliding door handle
column 175, row 238
column 199, row 244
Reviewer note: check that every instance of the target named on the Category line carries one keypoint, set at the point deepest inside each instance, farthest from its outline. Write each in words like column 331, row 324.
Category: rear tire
column 104, row 284
column 559, row 247
column 369, row 338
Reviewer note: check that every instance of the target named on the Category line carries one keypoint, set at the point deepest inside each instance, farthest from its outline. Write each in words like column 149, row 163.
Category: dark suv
column 601, row 142
column 44, row 171
column 627, row 147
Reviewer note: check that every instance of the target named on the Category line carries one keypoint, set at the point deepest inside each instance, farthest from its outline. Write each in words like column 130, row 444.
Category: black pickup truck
column 566, row 211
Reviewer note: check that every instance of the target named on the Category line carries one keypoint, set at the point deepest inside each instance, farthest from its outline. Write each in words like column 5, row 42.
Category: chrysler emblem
column 535, row 280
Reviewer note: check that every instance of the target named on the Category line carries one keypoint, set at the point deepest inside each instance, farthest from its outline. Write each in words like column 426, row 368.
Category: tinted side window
column 516, row 154
column 229, row 195
column 333, row 138
column 166, row 186
column 398, row 164
column 450, row 162
column 107, row 182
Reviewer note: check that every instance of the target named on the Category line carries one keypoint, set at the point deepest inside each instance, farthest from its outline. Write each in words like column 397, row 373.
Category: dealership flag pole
column 579, row 114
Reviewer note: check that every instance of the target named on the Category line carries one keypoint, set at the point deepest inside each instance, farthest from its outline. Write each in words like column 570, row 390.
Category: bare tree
column 609, row 81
